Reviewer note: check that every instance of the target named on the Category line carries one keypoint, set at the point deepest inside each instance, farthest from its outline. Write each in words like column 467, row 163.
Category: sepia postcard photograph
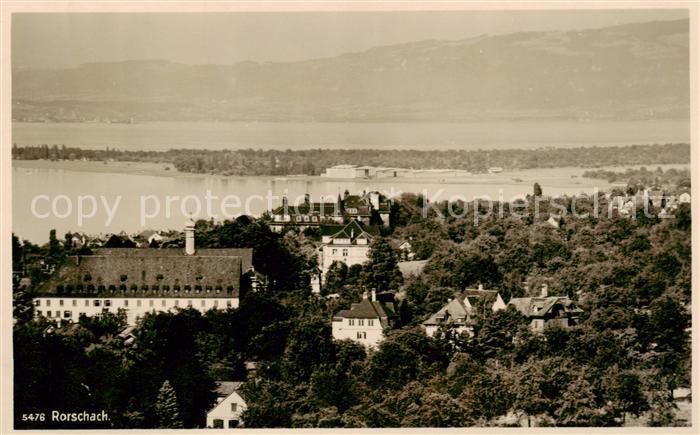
column 451, row 217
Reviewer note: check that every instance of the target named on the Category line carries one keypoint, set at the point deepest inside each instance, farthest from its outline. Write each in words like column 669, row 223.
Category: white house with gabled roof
column 365, row 321
column 226, row 414
column 348, row 244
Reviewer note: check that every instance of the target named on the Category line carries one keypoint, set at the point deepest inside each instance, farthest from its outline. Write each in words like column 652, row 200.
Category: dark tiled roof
column 330, row 229
column 226, row 388
column 456, row 309
column 396, row 243
column 544, row 307
column 476, row 296
column 125, row 272
column 354, row 201
column 368, row 309
column 245, row 254
column 473, row 300
column 454, row 312
column 352, row 230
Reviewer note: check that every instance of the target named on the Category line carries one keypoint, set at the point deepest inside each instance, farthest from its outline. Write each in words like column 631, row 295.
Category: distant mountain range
column 633, row 71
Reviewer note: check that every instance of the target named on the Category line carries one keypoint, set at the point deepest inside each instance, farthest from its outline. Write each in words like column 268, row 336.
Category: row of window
column 145, row 288
column 219, row 424
column 361, row 322
column 335, row 252
column 125, row 303
column 306, row 218
column 66, row 314
column 362, row 241
column 123, row 277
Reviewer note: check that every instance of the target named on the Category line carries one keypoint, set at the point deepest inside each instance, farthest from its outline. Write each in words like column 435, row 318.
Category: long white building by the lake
column 142, row 280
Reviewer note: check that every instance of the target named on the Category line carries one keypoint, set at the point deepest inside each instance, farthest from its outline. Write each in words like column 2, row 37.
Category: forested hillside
column 314, row 162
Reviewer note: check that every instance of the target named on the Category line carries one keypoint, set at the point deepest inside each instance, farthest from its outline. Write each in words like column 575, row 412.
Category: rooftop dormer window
column 87, row 277
column 159, row 277
column 122, row 278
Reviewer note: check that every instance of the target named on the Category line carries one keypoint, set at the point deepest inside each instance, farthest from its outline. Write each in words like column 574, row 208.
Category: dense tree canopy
column 313, row 162
column 631, row 277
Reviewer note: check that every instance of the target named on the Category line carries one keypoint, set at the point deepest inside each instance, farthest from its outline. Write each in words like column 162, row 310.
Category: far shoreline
column 159, row 170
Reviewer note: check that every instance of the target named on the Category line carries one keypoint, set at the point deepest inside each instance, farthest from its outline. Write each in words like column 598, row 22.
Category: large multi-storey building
column 370, row 207
column 145, row 280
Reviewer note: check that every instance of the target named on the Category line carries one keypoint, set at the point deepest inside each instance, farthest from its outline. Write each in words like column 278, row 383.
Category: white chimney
column 364, row 295
column 374, row 199
column 544, row 291
column 481, row 286
column 374, row 295
column 189, row 237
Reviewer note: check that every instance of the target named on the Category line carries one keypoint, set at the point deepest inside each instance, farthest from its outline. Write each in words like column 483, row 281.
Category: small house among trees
column 229, row 407
column 458, row 313
column 365, row 322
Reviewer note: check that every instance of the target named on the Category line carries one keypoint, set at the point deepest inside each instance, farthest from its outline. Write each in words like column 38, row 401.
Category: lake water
column 267, row 135
column 29, row 182
column 68, row 185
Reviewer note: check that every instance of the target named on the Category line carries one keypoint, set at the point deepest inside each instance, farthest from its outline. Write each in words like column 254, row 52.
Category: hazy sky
column 62, row 40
